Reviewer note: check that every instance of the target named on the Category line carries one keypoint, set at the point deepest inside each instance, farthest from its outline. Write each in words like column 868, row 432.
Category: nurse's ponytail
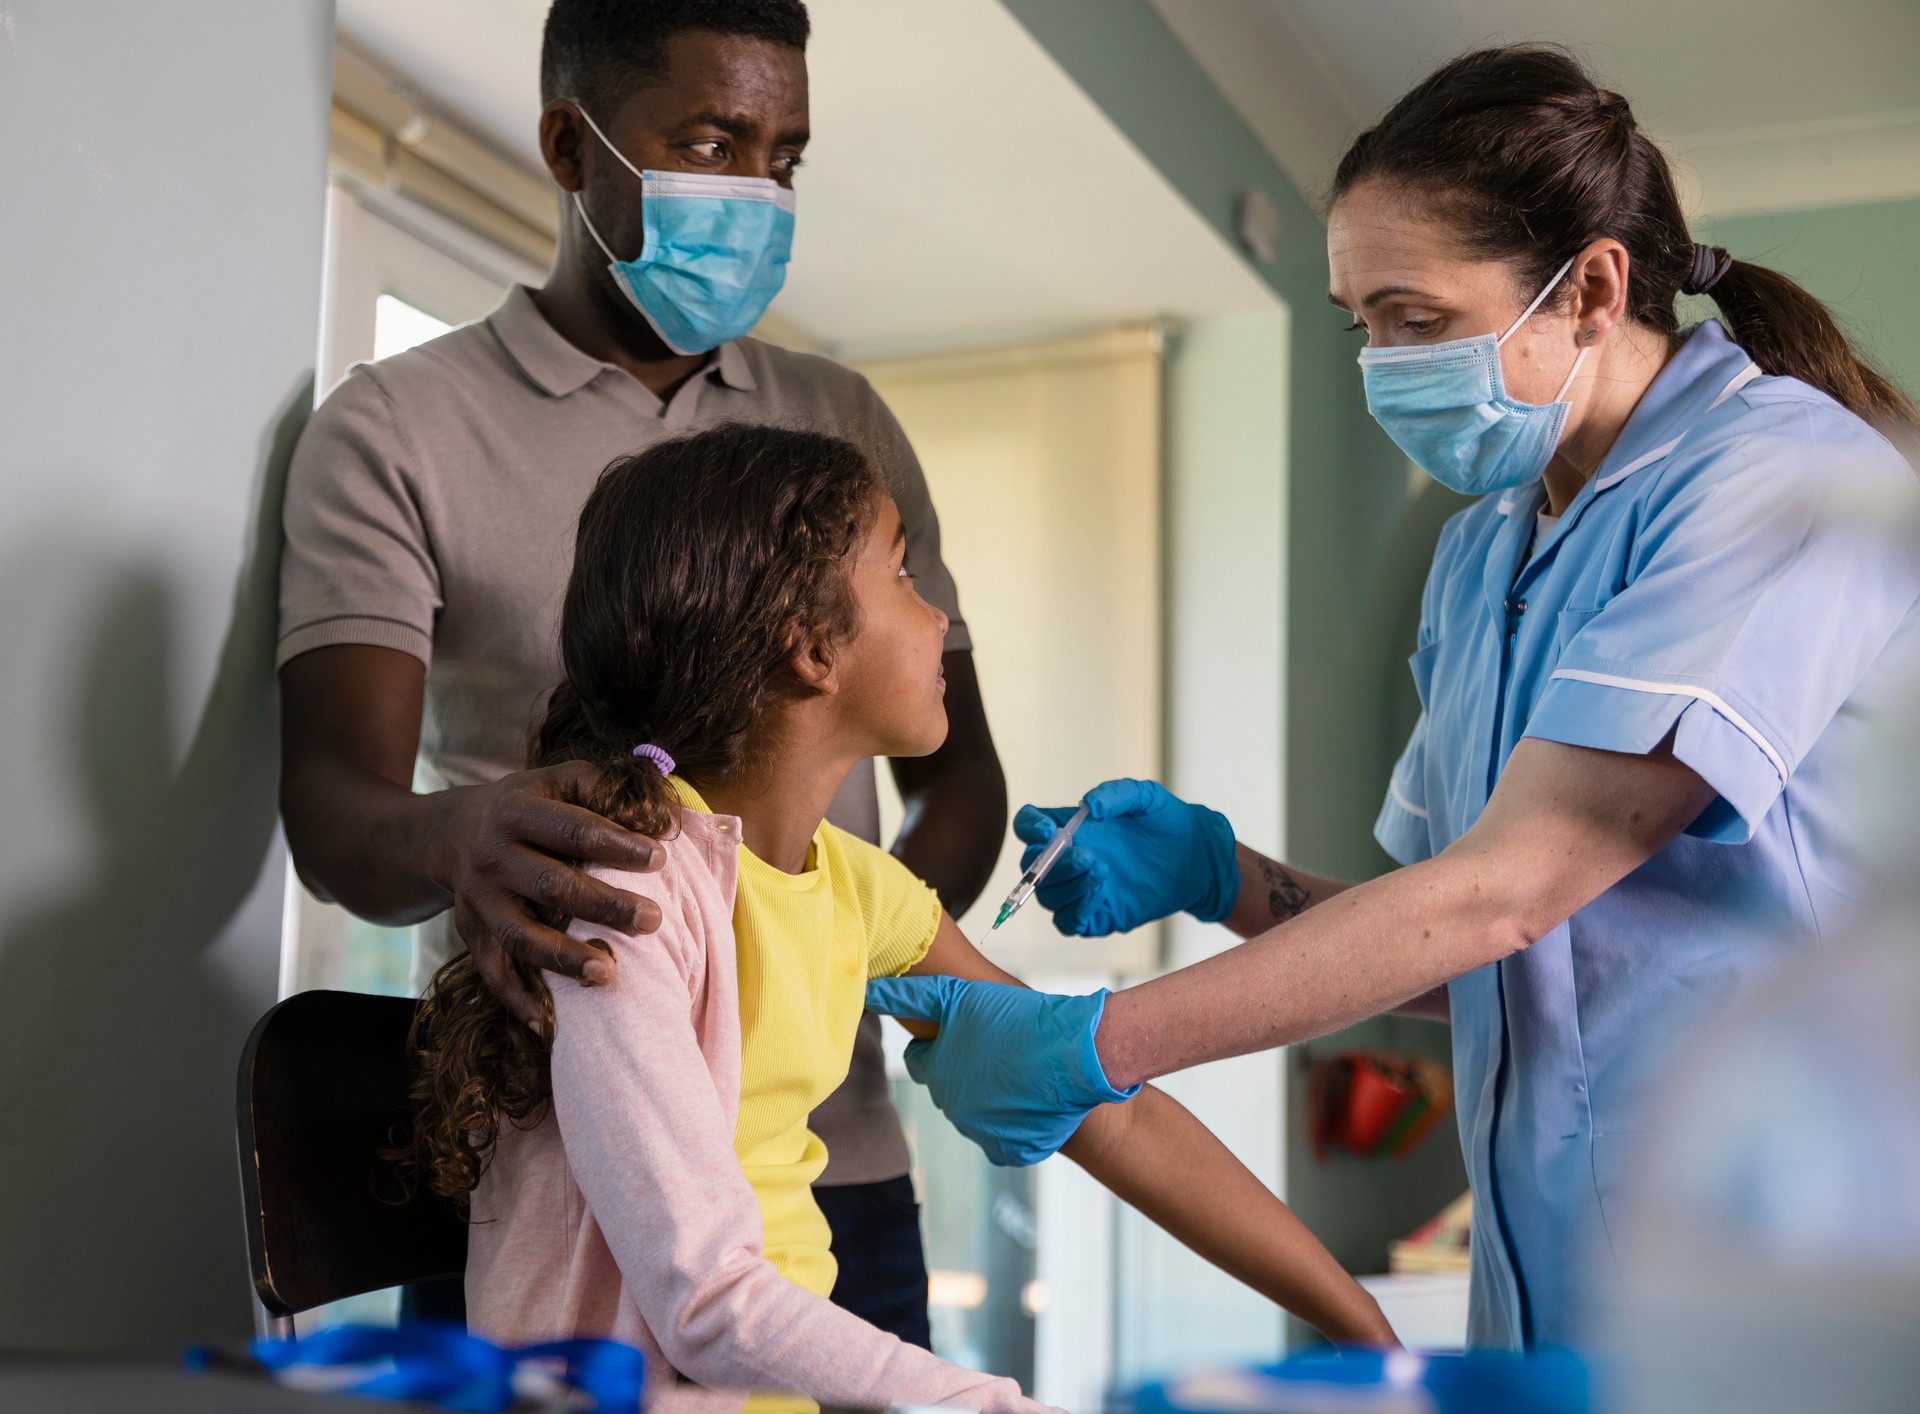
column 1788, row 331
column 1530, row 159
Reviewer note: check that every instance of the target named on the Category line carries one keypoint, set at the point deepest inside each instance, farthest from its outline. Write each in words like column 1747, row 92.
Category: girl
column 739, row 631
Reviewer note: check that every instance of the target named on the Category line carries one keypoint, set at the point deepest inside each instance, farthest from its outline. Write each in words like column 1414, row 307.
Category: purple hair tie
column 659, row 757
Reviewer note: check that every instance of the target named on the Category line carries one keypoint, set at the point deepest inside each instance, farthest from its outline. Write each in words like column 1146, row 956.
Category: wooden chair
column 323, row 1087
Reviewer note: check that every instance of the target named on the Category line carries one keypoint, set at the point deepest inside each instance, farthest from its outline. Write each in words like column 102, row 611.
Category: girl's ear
column 813, row 662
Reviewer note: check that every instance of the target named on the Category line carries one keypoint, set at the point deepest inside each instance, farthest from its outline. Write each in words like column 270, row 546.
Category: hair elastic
column 1710, row 267
column 662, row 762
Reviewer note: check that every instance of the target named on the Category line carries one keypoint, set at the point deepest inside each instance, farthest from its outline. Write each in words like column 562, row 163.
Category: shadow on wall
column 122, row 1006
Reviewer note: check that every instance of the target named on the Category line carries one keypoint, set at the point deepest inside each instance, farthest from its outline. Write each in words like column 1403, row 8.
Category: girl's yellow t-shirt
column 806, row 944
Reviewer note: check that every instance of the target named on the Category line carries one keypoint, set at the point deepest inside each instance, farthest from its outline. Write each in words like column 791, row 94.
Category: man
column 430, row 517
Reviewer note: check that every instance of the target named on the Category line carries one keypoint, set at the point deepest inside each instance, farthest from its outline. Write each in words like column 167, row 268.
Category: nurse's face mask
column 1446, row 407
column 714, row 256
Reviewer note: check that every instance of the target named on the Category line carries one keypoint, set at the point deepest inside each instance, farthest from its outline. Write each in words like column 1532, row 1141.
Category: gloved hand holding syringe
column 1037, row 871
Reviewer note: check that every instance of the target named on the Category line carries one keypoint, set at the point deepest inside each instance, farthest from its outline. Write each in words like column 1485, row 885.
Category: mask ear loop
column 580, row 206
column 1525, row 315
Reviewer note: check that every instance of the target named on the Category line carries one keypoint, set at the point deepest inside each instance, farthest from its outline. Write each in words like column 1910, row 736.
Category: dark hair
column 600, row 51
column 699, row 566
column 1529, row 159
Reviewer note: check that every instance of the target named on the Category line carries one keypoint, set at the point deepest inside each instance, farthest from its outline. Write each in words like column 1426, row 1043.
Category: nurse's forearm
column 1157, row 1157
column 1272, row 892
column 1368, row 950
column 1564, row 825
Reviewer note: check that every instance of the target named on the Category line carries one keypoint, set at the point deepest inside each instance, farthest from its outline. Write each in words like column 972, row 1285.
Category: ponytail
column 1529, row 159
column 1790, row 333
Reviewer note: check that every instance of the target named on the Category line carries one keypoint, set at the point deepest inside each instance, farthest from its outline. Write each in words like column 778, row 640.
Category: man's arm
column 956, row 799
column 1564, row 825
column 350, row 726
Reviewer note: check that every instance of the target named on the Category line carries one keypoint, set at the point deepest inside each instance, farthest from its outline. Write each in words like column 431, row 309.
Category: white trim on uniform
column 1615, row 478
column 1740, row 380
column 1701, row 694
column 1400, row 799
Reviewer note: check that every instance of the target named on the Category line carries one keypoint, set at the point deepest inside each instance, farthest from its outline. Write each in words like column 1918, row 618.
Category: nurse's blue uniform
column 1724, row 576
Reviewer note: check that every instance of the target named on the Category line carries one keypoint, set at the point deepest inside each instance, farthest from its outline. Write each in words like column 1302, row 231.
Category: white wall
column 161, row 181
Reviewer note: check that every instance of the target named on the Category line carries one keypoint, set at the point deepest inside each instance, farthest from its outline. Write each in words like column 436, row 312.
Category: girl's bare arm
column 1152, row 1153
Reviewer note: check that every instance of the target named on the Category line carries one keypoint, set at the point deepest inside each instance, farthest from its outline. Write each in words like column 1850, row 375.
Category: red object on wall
column 1375, row 1103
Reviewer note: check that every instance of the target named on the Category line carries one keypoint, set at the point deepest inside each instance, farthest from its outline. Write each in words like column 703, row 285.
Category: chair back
column 323, row 1087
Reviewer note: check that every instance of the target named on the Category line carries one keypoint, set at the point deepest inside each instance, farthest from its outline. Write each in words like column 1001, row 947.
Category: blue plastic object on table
column 1327, row 1381
column 447, row 1366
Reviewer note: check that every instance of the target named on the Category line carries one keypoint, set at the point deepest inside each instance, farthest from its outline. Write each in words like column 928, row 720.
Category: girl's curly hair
column 700, row 565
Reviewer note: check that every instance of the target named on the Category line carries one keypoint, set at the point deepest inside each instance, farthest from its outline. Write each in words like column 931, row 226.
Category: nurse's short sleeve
column 1402, row 827
column 1761, row 589
column 357, row 565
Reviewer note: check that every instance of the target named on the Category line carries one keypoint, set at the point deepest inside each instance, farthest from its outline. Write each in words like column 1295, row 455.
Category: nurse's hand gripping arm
column 1565, row 823
column 1149, row 1150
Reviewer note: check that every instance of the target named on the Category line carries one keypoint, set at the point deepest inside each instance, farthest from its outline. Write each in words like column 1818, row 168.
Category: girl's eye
column 1420, row 326
column 905, row 573
column 1354, row 327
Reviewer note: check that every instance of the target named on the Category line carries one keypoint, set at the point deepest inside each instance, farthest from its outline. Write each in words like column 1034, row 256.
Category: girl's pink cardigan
column 626, row 1214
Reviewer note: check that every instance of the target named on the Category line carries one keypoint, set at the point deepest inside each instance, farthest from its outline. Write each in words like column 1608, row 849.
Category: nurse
column 1644, row 656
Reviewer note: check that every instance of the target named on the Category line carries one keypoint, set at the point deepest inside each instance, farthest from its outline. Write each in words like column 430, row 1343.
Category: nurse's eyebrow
column 1386, row 292
column 899, row 533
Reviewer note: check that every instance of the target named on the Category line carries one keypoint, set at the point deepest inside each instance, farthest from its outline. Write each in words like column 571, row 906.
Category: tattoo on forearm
column 1286, row 895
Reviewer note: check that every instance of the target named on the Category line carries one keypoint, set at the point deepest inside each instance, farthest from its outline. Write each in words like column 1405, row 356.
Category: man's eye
column 712, row 150
column 1420, row 326
column 789, row 165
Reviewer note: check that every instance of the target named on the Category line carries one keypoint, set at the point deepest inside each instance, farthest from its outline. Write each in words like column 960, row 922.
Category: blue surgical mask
column 1446, row 406
column 714, row 256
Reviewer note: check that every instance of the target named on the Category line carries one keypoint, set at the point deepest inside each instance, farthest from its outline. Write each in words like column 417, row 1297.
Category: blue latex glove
column 1142, row 854
column 1014, row 1069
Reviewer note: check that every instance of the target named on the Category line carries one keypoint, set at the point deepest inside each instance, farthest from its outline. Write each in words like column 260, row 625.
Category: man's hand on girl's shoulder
column 516, row 853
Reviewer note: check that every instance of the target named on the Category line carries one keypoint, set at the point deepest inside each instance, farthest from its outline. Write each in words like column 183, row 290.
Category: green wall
column 1864, row 260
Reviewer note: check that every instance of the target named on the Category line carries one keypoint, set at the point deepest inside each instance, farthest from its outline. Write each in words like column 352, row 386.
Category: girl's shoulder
column 695, row 884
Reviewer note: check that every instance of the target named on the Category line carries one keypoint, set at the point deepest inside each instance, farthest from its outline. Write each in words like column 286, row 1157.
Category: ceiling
column 959, row 187
column 1769, row 104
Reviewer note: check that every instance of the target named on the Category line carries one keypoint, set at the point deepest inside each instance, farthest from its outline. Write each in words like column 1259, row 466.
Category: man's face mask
column 715, row 252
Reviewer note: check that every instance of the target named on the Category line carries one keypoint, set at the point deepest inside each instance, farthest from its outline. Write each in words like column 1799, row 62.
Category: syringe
column 1030, row 880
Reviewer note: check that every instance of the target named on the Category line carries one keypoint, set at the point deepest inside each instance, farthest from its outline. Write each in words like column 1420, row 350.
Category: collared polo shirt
column 431, row 508
column 1725, row 576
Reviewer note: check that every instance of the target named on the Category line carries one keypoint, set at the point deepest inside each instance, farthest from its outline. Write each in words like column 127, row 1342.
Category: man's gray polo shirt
column 431, row 509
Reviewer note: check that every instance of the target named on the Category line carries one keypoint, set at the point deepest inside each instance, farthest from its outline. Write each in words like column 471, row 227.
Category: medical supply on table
column 1323, row 1381
column 445, row 1365
column 1142, row 855
column 1015, row 1070
column 1036, row 871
